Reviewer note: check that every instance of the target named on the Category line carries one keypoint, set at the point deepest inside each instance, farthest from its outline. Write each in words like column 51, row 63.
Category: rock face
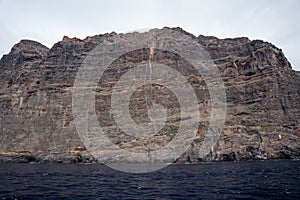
column 263, row 101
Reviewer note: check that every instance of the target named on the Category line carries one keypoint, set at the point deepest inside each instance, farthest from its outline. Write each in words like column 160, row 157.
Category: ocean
column 217, row 180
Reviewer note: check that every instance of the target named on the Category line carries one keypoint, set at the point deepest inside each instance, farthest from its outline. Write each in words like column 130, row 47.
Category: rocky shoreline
column 86, row 158
column 27, row 157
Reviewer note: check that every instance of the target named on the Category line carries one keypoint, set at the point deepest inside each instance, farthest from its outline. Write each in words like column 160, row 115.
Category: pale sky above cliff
column 47, row 22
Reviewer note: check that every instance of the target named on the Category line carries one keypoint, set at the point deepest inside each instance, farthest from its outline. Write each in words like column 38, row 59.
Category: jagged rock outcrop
column 263, row 101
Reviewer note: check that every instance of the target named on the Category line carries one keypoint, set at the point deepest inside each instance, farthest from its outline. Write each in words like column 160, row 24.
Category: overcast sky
column 276, row 21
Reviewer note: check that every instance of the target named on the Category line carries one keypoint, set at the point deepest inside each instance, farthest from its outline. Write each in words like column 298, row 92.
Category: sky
column 275, row 21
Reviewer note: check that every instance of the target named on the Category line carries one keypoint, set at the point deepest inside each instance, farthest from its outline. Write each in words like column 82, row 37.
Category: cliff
column 36, row 121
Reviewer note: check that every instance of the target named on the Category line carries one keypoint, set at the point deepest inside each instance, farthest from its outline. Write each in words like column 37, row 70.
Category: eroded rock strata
column 36, row 121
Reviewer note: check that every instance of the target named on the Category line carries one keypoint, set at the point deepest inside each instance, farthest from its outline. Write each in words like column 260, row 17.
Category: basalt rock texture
column 37, row 125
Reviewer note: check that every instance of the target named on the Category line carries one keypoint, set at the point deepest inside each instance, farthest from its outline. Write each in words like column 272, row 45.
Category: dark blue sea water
column 232, row 180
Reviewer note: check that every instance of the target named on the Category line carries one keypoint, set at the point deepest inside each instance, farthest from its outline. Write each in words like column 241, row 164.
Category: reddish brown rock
column 263, row 100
